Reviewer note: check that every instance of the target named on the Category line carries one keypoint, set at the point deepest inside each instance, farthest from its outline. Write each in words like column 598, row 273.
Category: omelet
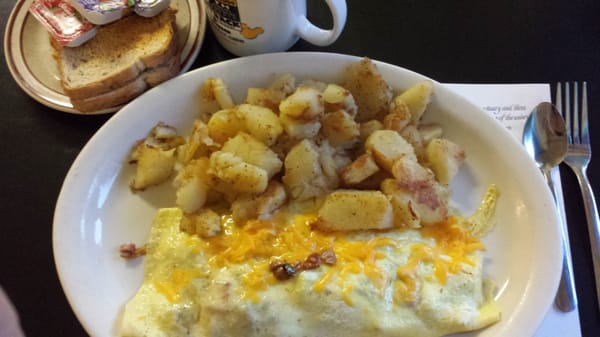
column 398, row 282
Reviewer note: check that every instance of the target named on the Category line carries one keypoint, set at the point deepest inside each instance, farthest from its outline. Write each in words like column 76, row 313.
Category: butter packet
column 63, row 22
column 150, row 8
column 101, row 12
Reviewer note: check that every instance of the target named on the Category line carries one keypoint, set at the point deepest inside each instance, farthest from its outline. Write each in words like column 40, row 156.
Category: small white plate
column 96, row 211
column 28, row 52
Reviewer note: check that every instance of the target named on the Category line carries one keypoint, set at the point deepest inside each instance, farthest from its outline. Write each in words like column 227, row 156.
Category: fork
column 579, row 154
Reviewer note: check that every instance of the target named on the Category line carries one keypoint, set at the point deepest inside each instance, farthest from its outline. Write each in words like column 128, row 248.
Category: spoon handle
column 566, row 297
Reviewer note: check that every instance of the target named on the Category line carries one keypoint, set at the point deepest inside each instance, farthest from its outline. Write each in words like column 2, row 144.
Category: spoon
column 545, row 138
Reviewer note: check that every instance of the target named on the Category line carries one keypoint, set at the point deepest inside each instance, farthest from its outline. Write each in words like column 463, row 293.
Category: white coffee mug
column 247, row 27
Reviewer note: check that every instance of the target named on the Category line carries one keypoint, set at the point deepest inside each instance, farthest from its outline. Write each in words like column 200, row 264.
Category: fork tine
column 585, row 133
column 559, row 106
column 576, row 134
column 567, row 112
column 558, row 99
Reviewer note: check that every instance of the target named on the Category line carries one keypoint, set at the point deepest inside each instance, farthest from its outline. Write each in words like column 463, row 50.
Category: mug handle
column 323, row 37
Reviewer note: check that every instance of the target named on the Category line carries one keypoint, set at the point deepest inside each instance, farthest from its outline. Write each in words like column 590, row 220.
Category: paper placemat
column 511, row 104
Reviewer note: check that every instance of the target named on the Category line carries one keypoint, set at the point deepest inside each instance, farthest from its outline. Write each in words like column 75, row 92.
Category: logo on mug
column 226, row 18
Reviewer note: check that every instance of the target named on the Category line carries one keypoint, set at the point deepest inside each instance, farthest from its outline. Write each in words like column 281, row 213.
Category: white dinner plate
column 28, row 52
column 96, row 211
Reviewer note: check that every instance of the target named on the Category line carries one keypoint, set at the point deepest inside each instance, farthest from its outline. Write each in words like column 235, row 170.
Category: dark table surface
column 465, row 41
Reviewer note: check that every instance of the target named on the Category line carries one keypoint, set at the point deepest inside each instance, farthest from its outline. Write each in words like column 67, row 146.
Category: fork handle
column 591, row 214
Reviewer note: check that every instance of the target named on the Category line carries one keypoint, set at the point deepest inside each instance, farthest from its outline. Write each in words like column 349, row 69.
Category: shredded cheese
column 452, row 248
column 257, row 243
column 178, row 279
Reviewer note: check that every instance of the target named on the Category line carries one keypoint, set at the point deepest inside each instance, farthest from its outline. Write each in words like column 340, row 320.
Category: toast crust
column 147, row 79
column 113, row 98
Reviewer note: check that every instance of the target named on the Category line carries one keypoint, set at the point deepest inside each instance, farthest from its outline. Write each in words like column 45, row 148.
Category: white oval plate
column 96, row 211
column 28, row 52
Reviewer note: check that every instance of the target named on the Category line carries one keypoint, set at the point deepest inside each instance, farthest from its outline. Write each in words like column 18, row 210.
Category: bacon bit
column 313, row 261
column 328, row 257
column 282, row 270
column 285, row 271
column 130, row 251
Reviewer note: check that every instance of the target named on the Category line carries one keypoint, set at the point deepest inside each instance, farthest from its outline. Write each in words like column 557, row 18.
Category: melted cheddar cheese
column 291, row 239
column 424, row 281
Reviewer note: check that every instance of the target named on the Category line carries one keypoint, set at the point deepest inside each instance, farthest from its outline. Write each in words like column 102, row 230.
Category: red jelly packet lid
column 65, row 24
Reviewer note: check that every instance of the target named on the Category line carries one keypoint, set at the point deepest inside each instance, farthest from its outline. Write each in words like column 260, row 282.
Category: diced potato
column 217, row 89
column 399, row 116
column 221, row 191
column 260, row 206
column 347, row 210
column 193, row 184
column 260, row 122
column 412, row 135
column 328, row 162
column 432, row 203
column 283, row 145
column 370, row 91
column 444, row 158
column 387, row 146
column 297, row 129
column 405, row 214
column 304, row 177
column 225, row 124
column 322, row 135
column 206, row 223
column 428, row 201
column 360, row 169
column 417, row 98
column 243, row 208
column 198, row 144
column 305, row 104
column 314, row 84
column 286, row 83
column 339, row 98
column 269, row 98
column 154, row 166
column 411, row 174
column 367, row 128
column 340, row 128
column 155, row 156
column 163, row 132
column 240, row 176
column 341, row 160
column 429, row 132
column 253, row 151
column 271, row 200
column 162, row 136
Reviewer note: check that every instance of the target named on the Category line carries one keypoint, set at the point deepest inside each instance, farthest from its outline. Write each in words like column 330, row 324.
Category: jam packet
column 63, row 22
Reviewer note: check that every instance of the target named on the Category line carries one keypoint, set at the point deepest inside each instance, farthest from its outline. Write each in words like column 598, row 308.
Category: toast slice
column 120, row 62
column 130, row 90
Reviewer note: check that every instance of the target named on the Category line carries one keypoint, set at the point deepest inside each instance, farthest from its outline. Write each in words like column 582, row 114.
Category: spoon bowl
column 545, row 136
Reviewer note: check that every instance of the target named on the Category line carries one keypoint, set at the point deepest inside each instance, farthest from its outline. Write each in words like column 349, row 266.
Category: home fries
column 309, row 209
